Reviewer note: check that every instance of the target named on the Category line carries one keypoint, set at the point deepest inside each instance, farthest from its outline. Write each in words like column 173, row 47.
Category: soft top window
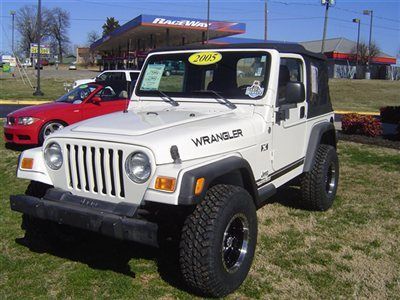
column 232, row 74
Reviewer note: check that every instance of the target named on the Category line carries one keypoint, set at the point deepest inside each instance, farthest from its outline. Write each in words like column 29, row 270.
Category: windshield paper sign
column 152, row 77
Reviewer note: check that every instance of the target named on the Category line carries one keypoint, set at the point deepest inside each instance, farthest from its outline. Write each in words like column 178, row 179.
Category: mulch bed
column 387, row 141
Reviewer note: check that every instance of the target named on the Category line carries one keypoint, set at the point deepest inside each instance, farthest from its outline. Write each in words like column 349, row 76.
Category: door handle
column 302, row 112
column 76, row 110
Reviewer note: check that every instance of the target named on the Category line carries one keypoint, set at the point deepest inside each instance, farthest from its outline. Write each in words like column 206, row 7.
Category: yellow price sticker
column 205, row 58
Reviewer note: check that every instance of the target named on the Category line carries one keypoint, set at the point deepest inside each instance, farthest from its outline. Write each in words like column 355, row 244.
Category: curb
column 23, row 102
column 345, row 112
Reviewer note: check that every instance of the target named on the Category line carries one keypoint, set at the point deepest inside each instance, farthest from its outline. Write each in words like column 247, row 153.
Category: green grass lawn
column 14, row 89
column 350, row 251
column 364, row 95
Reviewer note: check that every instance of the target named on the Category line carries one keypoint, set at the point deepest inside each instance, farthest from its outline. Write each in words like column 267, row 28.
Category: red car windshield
column 78, row 94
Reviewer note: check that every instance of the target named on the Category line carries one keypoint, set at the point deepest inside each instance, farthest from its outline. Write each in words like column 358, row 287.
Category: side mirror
column 96, row 100
column 295, row 92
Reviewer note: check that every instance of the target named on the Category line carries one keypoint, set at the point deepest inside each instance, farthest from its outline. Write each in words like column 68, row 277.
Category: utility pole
column 327, row 4
column 369, row 13
column 265, row 20
column 358, row 21
column 38, row 92
column 12, row 13
column 208, row 21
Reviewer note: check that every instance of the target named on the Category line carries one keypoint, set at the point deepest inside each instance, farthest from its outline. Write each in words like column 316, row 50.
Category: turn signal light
column 165, row 183
column 199, row 186
column 27, row 163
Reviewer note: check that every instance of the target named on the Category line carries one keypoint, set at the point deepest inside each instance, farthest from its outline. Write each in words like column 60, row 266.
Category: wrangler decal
column 217, row 137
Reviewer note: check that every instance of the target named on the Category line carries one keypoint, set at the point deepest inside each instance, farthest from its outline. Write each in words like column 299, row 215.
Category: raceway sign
column 183, row 23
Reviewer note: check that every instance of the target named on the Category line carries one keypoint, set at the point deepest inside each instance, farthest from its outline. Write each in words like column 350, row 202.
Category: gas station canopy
column 147, row 32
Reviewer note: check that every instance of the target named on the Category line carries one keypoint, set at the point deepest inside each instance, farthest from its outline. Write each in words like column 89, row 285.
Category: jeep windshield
column 197, row 74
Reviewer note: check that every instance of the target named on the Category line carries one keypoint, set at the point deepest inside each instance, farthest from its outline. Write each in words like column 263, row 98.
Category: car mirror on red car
column 96, row 100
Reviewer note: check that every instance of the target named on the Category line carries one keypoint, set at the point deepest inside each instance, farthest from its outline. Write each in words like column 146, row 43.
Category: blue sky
column 289, row 20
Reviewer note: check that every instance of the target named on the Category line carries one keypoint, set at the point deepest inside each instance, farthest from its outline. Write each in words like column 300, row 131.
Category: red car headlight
column 27, row 120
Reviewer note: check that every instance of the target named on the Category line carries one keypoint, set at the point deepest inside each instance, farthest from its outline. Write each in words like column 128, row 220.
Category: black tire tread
column 312, row 195
column 197, row 233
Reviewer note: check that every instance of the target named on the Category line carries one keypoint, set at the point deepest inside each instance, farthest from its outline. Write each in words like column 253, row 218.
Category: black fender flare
column 213, row 171
column 315, row 139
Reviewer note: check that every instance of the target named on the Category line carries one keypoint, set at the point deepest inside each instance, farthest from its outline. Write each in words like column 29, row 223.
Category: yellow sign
column 44, row 49
column 205, row 58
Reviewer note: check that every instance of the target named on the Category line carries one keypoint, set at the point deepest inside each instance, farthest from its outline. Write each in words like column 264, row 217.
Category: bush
column 390, row 114
column 360, row 124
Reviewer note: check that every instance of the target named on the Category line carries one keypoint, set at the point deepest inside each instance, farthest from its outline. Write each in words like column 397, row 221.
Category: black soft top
column 283, row 47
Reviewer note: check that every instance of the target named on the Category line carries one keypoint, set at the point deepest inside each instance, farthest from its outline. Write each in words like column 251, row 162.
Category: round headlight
column 138, row 167
column 53, row 156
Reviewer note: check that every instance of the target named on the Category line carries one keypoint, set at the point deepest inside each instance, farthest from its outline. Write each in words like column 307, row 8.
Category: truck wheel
column 218, row 241
column 319, row 186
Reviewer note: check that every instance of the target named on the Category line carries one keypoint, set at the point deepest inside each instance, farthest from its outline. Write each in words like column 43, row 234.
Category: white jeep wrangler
column 212, row 143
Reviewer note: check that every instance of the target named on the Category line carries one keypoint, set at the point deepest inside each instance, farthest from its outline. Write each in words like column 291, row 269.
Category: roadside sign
column 44, row 49
column 6, row 67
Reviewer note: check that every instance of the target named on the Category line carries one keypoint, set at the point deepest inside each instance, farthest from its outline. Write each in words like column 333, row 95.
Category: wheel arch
column 322, row 133
column 232, row 170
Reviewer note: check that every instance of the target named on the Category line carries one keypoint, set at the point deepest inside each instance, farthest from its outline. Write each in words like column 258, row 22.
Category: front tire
column 218, row 241
column 49, row 128
column 319, row 186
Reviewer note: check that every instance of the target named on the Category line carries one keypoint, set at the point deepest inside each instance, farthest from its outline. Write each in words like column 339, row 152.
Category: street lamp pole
column 265, row 20
column 208, row 21
column 327, row 4
column 369, row 13
column 38, row 92
column 358, row 21
column 12, row 13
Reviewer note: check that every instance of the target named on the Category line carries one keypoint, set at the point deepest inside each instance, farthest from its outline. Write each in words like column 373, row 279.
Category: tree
column 363, row 52
column 110, row 25
column 26, row 25
column 58, row 29
column 92, row 37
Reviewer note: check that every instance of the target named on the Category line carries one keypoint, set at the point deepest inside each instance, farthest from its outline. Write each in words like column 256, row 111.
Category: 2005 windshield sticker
column 152, row 77
column 205, row 58
column 255, row 90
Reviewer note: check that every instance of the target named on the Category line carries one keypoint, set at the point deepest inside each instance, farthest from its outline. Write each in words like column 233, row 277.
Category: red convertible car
column 32, row 124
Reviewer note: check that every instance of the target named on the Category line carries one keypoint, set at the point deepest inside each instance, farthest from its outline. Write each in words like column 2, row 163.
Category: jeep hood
column 140, row 123
column 197, row 134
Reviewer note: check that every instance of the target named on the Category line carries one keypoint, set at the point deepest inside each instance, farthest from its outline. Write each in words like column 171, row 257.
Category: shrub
column 390, row 114
column 361, row 124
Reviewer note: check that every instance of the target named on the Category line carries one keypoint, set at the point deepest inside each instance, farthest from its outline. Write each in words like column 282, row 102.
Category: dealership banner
column 44, row 49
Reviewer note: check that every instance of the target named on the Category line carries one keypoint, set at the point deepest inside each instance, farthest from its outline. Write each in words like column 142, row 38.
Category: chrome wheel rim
column 235, row 242
column 51, row 128
column 330, row 178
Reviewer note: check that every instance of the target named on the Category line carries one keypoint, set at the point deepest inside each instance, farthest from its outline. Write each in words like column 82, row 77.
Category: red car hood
column 39, row 110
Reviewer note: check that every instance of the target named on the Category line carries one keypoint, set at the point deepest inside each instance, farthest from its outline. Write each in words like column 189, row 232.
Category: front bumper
column 21, row 134
column 115, row 220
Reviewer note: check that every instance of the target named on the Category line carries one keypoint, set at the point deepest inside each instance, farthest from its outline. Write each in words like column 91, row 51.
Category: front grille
column 96, row 170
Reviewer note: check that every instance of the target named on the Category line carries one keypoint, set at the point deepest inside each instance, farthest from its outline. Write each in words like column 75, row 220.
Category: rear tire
column 218, row 241
column 319, row 186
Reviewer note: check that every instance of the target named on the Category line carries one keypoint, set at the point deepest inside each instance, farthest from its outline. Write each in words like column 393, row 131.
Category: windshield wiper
column 221, row 99
column 167, row 98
